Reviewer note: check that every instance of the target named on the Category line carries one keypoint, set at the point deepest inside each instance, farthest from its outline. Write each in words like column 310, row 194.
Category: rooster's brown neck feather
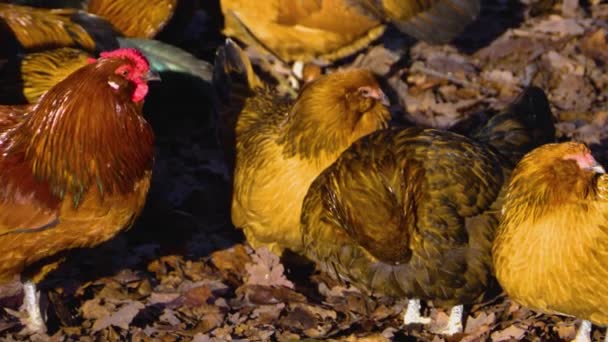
column 85, row 133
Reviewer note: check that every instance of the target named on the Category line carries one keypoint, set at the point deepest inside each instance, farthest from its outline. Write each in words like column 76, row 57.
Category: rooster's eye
column 125, row 73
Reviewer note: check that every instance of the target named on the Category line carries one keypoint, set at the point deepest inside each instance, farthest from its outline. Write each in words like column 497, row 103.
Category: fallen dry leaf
column 559, row 25
column 121, row 318
column 512, row 332
column 266, row 269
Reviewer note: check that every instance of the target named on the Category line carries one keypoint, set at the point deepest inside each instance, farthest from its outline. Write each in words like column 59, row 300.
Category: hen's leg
column 31, row 303
column 454, row 322
column 412, row 314
column 584, row 332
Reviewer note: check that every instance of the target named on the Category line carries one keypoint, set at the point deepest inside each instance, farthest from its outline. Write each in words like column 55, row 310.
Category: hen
column 49, row 44
column 74, row 168
column 331, row 29
column 281, row 145
column 412, row 212
column 551, row 249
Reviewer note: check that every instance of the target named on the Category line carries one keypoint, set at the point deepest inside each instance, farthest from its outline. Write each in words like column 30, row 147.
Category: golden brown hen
column 551, row 249
column 327, row 30
column 412, row 212
column 74, row 168
column 281, row 145
column 300, row 30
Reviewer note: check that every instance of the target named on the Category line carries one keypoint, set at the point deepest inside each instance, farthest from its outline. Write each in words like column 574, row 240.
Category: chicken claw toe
column 412, row 314
column 584, row 332
column 454, row 322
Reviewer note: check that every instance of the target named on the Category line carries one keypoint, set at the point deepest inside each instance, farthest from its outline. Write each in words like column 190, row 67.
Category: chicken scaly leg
column 31, row 303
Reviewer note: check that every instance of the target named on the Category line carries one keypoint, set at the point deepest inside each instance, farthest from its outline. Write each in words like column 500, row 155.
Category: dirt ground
column 184, row 273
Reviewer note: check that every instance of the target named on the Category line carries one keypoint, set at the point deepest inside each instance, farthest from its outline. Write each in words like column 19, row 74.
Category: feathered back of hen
column 527, row 123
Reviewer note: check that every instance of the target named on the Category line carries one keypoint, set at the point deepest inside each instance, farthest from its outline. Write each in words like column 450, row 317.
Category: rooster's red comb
column 141, row 62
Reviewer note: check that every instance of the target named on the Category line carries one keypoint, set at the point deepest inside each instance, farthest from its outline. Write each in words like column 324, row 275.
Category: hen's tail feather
column 433, row 21
column 234, row 81
column 442, row 22
column 233, row 74
column 524, row 125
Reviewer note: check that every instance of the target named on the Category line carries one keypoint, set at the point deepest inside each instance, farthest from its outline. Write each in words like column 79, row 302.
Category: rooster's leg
column 454, row 322
column 412, row 314
column 584, row 332
column 31, row 303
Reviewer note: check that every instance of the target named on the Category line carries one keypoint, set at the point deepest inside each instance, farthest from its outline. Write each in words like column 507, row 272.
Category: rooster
column 412, row 212
column 74, row 168
column 281, row 145
column 551, row 248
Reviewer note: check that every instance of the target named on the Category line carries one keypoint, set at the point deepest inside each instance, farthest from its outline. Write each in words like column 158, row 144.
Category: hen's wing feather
column 420, row 198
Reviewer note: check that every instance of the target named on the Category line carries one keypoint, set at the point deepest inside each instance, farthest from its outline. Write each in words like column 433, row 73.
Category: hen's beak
column 597, row 168
column 151, row 75
column 384, row 99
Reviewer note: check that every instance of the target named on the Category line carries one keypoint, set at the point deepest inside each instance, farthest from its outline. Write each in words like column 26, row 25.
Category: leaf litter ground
column 183, row 273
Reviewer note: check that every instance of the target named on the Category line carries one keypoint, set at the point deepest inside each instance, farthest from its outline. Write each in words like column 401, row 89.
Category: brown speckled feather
column 395, row 214
column 412, row 213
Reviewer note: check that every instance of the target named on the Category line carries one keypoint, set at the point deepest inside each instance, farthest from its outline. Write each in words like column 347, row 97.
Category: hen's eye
column 365, row 91
column 125, row 73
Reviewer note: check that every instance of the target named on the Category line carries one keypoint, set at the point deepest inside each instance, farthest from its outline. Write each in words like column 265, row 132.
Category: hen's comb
column 141, row 62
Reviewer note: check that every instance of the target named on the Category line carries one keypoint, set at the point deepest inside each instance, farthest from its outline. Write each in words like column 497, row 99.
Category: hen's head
column 128, row 71
column 554, row 174
column 335, row 110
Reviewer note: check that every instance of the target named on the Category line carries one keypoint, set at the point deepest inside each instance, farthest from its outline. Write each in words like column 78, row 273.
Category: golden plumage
column 37, row 28
column 551, row 249
column 300, row 30
column 42, row 70
column 138, row 19
column 281, row 145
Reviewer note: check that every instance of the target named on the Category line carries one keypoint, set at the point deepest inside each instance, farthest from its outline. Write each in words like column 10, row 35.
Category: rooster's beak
column 151, row 75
